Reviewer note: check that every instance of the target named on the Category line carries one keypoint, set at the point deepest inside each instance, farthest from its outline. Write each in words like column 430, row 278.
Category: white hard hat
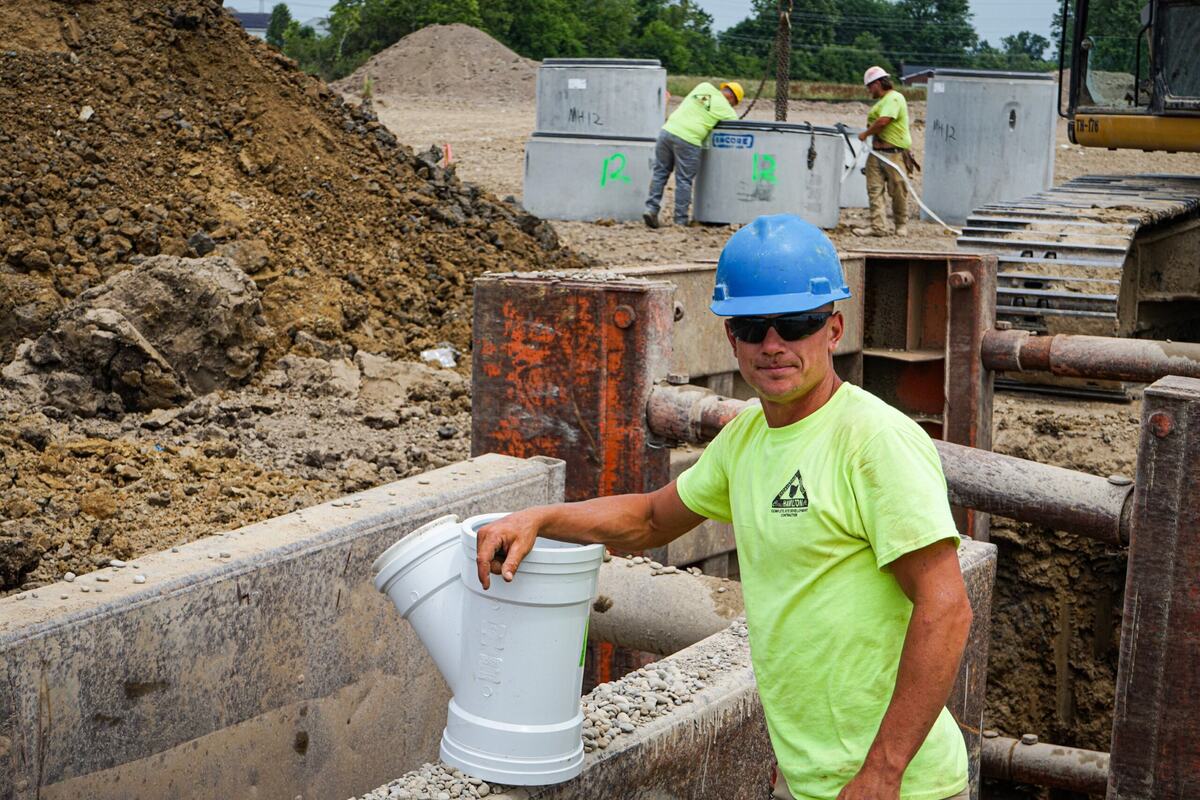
column 873, row 74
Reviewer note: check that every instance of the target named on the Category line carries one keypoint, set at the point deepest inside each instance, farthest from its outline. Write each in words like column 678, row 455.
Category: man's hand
column 500, row 546
column 872, row 783
column 626, row 522
column 862, row 137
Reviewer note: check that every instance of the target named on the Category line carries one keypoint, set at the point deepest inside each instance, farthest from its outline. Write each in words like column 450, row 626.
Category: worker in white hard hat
column 680, row 141
column 887, row 122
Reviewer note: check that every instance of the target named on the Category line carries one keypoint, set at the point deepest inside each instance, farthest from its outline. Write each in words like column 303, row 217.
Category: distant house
column 254, row 24
column 915, row 74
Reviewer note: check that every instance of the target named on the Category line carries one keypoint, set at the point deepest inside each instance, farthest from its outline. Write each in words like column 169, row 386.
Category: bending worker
column 680, row 141
column 887, row 121
column 855, row 602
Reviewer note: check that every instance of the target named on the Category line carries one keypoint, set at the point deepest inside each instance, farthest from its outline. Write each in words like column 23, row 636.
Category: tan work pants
column 782, row 793
column 879, row 177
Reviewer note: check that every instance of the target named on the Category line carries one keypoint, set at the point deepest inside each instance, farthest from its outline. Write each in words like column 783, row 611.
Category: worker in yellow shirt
column 855, row 602
column 680, row 141
column 887, row 121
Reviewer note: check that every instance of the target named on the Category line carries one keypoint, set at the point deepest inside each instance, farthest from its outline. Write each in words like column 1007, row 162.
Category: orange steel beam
column 563, row 366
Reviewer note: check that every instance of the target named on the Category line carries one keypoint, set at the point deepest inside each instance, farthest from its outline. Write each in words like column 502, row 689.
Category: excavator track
column 1065, row 254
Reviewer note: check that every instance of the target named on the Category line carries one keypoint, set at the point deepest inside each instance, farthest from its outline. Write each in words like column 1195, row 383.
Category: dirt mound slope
column 133, row 128
column 455, row 62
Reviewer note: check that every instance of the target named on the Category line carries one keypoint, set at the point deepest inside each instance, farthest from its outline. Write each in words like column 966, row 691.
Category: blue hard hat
column 777, row 264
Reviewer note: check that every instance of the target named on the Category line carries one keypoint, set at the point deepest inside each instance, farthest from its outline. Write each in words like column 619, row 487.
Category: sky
column 993, row 20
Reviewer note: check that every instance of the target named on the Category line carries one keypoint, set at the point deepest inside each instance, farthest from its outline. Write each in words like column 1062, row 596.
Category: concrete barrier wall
column 259, row 663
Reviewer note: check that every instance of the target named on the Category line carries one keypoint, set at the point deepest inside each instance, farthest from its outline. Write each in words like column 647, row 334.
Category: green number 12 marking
column 764, row 168
column 613, row 168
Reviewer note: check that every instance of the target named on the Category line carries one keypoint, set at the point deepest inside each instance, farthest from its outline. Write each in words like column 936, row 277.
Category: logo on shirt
column 792, row 498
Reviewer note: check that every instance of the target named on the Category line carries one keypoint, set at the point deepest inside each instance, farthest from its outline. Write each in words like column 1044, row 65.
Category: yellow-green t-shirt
column 699, row 113
column 819, row 509
column 895, row 106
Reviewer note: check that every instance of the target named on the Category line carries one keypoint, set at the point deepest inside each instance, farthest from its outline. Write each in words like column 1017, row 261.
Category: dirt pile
column 133, row 129
column 454, row 62
column 151, row 337
column 182, row 210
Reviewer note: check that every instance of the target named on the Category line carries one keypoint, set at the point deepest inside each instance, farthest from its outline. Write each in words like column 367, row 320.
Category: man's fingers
column 516, row 551
column 486, row 547
column 481, row 569
column 499, row 551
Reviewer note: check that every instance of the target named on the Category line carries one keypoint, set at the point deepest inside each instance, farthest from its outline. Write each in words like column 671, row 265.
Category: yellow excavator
column 1135, row 82
column 1111, row 255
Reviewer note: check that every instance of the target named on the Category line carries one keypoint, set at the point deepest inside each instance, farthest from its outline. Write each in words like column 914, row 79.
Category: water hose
column 912, row 190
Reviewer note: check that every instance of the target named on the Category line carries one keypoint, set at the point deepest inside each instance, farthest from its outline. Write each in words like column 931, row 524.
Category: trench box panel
column 904, row 333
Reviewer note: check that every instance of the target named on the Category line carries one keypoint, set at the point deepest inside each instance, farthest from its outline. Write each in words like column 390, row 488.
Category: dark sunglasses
column 790, row 327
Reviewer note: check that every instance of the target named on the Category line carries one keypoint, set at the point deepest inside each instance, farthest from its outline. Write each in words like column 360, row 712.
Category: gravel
column 434, row 782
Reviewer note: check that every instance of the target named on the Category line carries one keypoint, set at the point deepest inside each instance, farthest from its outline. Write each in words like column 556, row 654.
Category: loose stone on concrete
column 610, row 711
column 434, row 782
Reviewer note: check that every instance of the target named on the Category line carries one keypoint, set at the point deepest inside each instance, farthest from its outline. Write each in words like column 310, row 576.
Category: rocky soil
column 77, row 492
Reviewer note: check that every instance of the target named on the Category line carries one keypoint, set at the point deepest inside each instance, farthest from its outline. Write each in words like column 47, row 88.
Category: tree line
column 831, row 40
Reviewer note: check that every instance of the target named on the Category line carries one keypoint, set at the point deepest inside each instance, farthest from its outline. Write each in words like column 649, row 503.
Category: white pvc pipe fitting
column 512, row 655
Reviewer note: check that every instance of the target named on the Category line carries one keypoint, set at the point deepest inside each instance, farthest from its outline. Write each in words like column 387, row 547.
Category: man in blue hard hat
column 856, row 607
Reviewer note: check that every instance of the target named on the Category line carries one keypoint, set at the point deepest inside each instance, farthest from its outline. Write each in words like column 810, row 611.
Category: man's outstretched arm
column 933, row 646
column 623, row 522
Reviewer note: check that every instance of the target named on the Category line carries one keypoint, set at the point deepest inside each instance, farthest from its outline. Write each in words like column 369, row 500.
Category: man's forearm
column 933, row 647
column 878, row 125
column 622, row 522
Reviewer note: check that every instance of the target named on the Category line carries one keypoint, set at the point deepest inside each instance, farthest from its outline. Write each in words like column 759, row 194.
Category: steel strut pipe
column 1058, row 498
column 1094, row 357
column 1027, row 491
column 662, row 614
column 1050, row 765
column 689, row 413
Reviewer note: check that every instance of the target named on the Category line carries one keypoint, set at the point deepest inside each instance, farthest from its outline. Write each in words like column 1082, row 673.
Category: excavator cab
column 1134, row 74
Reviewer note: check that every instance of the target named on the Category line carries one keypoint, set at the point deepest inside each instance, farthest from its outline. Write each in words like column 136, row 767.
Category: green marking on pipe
column 583, row 650
column 764, row 168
